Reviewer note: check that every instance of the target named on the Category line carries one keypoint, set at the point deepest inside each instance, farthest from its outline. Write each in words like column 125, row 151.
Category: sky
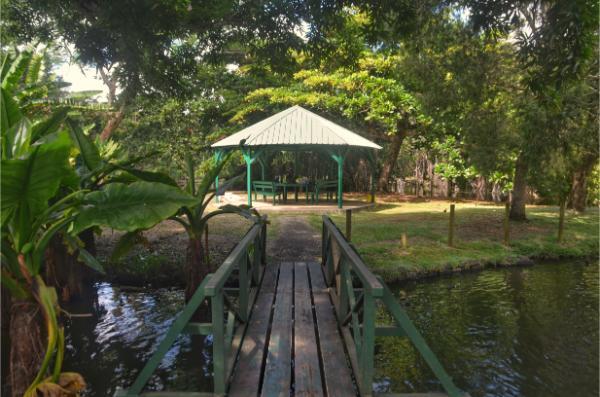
column 85, row 80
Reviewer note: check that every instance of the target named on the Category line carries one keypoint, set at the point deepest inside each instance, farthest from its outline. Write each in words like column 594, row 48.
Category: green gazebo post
column 218, row 155
column 295, row 129
column 250, row 157
column 339, row 159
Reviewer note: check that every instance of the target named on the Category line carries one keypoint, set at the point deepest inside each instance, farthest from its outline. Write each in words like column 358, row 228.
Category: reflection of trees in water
column 519, row 331
column 119, row 338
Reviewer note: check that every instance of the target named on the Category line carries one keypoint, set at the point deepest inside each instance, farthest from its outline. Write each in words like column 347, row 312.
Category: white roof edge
column 269, row 126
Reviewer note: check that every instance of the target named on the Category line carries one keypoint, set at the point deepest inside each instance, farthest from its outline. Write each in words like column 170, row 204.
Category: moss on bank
column 478, row 237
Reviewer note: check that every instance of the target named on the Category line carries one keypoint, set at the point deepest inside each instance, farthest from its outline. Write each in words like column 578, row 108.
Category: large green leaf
column 140, row 205
column 27, row 184
column 49, row 125
column 149, row 176
column 16, row 71
column 10, row 114
column 87, row 148
column 18, row 139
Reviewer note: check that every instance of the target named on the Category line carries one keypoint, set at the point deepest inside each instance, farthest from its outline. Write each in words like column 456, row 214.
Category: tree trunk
column 196, row 269
column 390, row 161
column 64, row 272
column 519, row 193
column 578, row 197
column 113, row 123
column 479, row 188
column 26, row 345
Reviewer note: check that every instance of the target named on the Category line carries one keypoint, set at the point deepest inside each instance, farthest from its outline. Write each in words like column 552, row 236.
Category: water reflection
column 110, row 347
column 506, row 332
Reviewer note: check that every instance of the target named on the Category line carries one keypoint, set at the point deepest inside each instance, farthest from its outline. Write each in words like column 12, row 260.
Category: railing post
column 218, row 344
column 243, row 281
column 342, row 290
column 367, row 355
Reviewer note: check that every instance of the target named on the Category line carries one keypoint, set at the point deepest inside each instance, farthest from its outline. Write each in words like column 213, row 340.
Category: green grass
column 478, row 238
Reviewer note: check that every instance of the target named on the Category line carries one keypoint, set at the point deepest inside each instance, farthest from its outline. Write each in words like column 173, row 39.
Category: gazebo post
column 249, row 157
column 339, row 159
column 218, row 155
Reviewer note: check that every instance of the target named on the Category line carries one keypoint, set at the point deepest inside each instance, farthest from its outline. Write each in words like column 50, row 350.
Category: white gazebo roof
column 295, row 126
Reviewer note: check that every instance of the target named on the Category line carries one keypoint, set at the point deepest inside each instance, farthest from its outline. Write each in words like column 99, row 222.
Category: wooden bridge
column 294, row 328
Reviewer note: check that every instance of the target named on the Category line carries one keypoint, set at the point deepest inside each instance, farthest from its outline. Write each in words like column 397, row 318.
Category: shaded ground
column 293, row 239
column 160, row 261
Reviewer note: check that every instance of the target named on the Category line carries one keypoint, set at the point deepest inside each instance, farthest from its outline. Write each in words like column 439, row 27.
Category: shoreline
column 477, row 266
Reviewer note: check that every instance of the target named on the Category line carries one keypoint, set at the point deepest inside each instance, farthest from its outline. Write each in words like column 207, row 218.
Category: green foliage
column 139, row 205
column 452, row 164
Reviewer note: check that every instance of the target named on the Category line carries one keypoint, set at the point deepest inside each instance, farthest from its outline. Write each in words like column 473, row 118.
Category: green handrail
column 228, row 322
column 355, row 293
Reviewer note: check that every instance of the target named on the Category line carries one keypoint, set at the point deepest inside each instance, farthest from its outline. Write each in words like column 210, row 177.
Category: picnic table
column 285, row 186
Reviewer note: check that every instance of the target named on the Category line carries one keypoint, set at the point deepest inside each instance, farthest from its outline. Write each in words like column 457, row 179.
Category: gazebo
column 295, row 129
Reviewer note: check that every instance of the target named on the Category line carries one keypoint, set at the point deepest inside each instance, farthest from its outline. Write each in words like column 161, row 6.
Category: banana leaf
column 140, row 205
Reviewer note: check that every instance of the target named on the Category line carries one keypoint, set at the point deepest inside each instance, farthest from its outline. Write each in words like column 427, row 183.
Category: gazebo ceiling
column 295, row 126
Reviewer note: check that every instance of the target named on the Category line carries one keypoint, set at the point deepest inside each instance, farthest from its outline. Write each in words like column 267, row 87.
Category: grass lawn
column 478, row 237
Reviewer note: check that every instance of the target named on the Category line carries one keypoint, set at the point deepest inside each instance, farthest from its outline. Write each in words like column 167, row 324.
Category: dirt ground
column 295, row 240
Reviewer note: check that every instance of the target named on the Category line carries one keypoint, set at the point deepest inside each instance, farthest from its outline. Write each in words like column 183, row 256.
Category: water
column 111, row 347
column 506, row 332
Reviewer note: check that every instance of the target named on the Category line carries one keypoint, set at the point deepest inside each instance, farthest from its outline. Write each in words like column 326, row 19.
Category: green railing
column 230, row 292
column 356, row 293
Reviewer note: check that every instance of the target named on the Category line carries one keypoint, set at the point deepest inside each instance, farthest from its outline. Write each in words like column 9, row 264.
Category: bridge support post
column 367, row 355
column 218, row 345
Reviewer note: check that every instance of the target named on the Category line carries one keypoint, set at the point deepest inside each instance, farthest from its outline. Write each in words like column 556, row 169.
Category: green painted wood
column 174, row 331
column 337, row 374
column 232, row 262
column 198, row 329
column 219, row 353
column 367, row 278
column 218, row 156
column 367, row 347
column 307, row 372
column 278, row 370
column 247, row 373
column 415, row 337
column 348, row 307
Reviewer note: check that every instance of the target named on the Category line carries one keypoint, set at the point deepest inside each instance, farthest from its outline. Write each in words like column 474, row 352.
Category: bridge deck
column 292, row 345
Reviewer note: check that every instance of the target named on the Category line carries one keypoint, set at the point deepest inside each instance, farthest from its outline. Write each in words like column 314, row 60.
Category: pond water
column 504, row 332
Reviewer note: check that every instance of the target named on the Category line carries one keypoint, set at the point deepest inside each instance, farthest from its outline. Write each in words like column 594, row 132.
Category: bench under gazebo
column 295, row 129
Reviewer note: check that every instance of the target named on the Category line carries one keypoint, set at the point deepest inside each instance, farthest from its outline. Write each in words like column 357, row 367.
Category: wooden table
column 297, row 188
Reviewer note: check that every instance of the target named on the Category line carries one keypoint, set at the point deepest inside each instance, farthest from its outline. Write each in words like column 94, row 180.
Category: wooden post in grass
column 506, row 223
column 451, row 227
column 561, row 221
column 404, row 240
column 349, row 225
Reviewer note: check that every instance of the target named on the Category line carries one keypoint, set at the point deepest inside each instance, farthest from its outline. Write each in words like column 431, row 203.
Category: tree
column 380, row 106
column 40, row 198
column 555, row 41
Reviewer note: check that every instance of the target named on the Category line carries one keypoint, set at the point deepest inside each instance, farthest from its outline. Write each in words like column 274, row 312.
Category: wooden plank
column 246, row 378
column 307, row 373
column 269, row 282
column 338, row 377
column 278, row 370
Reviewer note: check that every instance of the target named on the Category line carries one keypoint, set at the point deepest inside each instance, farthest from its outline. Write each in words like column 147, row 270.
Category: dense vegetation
column 469, row 99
